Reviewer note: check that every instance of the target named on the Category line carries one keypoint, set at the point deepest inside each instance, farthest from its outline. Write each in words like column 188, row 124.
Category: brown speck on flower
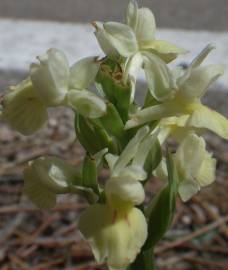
column 127, row 220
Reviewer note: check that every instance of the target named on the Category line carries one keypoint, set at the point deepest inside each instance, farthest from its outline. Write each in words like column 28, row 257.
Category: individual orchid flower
column 138, row 34
column 58, row 84
column 52, row 83
column 25, row 105
column 135, row 42
column 191, row 85
column 119, row 229
column 46, row 177
column 195, row 166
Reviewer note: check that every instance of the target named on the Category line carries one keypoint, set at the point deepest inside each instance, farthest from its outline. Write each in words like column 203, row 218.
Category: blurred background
column 31, row 239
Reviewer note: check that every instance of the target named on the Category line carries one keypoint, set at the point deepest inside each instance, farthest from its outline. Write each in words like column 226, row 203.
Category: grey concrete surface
column 184, row 14
column 10, row 77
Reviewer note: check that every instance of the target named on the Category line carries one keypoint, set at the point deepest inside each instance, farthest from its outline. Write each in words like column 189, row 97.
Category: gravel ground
column 41, row 240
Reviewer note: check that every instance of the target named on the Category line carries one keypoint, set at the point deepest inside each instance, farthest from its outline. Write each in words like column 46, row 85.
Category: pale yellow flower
column 119, row 229
column 191, row 86
column 46, row 177
column 52, row 83
column 195, row 166
column 135, row 42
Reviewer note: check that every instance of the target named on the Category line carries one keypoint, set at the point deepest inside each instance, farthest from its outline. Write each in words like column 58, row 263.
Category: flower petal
column 23, row 110
column 204, row 117
column 132, row 14
column 152, row 113
column 38, row 193
column 129, row 151
column 206, row 174
column 164, row 49
column 54, row 173
column 134, row 172
column 50, row 77
column 161, row 171
column 158, row 77
column 114, row 238
column 104, row 42
column 83, row 73
column 111, row 160
column 122, row 37
column 190, row 156
column 202, row 56
column 146, row 25
column 195, row 63
column 86, row 103
column 199, row 80
column 187, row 189
column 143, row 150
column 126, row 189
column 131, row 71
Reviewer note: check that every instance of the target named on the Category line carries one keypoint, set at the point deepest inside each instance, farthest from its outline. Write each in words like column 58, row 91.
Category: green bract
column 120, row 136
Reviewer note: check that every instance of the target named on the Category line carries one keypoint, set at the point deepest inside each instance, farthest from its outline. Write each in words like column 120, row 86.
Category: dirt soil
column 49, row 240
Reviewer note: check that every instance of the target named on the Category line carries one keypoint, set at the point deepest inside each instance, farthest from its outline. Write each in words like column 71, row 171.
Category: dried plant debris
column 38, row 240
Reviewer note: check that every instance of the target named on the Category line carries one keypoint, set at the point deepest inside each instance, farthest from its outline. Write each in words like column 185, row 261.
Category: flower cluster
column 120, row 135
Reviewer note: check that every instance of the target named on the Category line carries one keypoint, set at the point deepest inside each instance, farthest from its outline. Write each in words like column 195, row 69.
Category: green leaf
column 161, row 209
column 89, row 174
column 110, row 81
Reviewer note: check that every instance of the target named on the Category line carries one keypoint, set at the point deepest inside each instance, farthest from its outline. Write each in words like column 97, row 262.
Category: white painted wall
column 21, row 41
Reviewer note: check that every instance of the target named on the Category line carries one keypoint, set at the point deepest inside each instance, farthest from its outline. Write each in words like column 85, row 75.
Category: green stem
column 144, row 261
